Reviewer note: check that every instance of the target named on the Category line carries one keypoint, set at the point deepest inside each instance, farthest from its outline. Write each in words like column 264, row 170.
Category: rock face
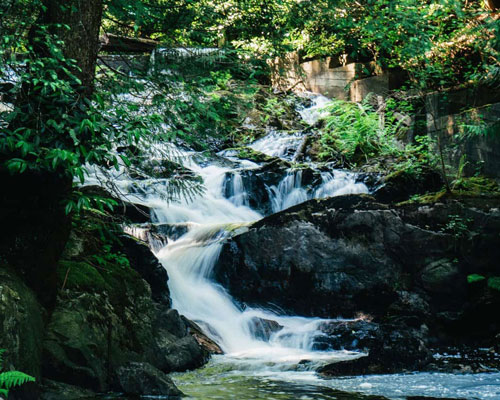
column 144, row 379
column 405, row 265
column 21, row 324
column 94, row 331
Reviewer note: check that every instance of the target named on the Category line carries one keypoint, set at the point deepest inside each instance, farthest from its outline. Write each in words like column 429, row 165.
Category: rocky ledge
column 424, row 275
column 111, row 328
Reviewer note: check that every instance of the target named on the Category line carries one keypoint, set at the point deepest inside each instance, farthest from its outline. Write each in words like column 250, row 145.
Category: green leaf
column 475, row 278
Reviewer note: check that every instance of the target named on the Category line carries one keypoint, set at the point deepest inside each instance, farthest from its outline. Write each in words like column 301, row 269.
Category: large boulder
column 21, row 324
column 350, row 254
column 113, row 308
column 145, row 380
column 391, row 349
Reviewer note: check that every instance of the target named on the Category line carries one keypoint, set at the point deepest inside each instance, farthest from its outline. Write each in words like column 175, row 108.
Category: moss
column 247, row 153
column 494, row 282
column 80, row 275
column 462, row 189
column 428, row 198
column 476, row 185
column 114, row 278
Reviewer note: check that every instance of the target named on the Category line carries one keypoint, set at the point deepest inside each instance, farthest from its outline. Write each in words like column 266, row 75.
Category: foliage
column 440, row 44
column 475, row 278
column 457, row 225
column 11, row 379
column 494, row 282
column 357, row 133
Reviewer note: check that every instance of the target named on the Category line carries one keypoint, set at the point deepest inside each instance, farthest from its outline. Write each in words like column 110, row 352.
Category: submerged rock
column 52, row 390
column 355, row 334
column 145, row 380
column 390, row 349
column 263, row 328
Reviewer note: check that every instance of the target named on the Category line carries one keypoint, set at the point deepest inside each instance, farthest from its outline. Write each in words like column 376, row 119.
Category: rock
column 143, row 379
column 52, row 390
column 442, row 276
column 392, row 349
column 112, row 314
column 339, row 258
column 355, row 334
column 132, row 212
column 149, row 268
column 203, row 340
column 21, row 324
column 401, row 185
column 263, row 328
column 350, row 254
column 258, row 181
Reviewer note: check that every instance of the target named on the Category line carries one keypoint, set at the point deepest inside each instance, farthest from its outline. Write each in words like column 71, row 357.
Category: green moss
column 476, row 185
column 475, row 278
column 494, row 282
column 247, row 153
column 80, row 275
column 428, row 198
column 465, row 188
column 114, row 278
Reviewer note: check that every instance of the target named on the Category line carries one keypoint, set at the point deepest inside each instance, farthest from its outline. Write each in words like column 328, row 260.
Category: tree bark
column 35, row 227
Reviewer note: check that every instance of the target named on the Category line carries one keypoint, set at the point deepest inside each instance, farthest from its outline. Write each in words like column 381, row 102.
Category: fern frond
column 11, row 379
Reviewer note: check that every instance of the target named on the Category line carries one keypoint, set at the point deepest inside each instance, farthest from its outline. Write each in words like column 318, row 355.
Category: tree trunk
column 35, row 228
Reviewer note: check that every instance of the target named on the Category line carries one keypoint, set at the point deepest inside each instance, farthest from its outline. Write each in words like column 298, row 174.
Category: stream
column 260, row 362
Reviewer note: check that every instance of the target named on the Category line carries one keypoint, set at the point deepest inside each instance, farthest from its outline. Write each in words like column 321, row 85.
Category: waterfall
column 190, row 259
column 208, row 219
column 289, row 191
column 235, row 190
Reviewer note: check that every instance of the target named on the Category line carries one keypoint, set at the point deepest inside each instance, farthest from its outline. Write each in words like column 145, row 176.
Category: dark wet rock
column 464, row 359
column 170, row 231
column 203, row 340
column 355, row 334
column 401, row 185
column 21, row 324
column 258, row 181
column 143, row 379
column 149, row 268
column 52, row 390
column 346, row 255
column 264, row 328
column 113, row 313
column 161, row 169
column 442, row 276
column 132, row 212
column 391, row 349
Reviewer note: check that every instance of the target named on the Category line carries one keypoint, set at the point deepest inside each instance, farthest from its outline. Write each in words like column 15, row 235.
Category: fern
column 11, row 379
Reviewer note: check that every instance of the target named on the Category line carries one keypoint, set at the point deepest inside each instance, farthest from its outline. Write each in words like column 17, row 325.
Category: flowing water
column 275, row 365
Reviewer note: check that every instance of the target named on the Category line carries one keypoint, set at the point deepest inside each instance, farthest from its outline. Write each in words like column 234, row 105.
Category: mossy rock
column 115, row 279
column 247, row 153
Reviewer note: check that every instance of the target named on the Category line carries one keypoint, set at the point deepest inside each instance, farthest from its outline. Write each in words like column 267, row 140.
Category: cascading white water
column 219, row 212
column 210, row 218
column 189, row 261
column 289, row 191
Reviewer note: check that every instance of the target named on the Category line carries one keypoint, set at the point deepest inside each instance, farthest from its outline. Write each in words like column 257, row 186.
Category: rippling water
column 221, row 379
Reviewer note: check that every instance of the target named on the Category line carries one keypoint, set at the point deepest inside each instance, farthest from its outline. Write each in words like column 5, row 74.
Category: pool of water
column 226, row 379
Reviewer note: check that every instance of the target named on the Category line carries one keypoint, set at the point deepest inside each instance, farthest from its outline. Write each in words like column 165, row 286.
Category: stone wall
column 467, row 124
column 336, row 77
